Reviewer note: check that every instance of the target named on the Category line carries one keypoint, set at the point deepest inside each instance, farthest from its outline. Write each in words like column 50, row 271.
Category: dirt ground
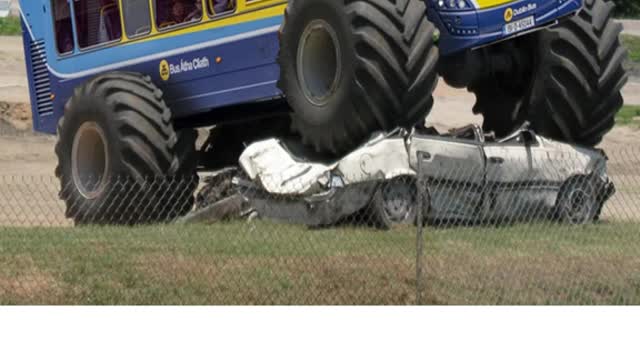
column 24, row 155
column 13, row 80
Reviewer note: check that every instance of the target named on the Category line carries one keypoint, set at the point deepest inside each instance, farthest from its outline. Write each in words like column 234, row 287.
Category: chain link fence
column 141, row 244
column 529, row 228
column 540, row 229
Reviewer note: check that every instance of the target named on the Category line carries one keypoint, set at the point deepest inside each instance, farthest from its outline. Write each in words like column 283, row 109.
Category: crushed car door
column 454, row 170
column 509, row 160
column 512, row 188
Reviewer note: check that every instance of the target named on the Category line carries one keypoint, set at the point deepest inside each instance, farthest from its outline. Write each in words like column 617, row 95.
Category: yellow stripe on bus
column 485, row 4
column 243, row 14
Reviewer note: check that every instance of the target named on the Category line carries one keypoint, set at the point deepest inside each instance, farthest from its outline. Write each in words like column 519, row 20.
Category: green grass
column 10, row 26
column 626, row 114
column 263, row 263
column 534, row 264
column 219, row 264
column 632, row 44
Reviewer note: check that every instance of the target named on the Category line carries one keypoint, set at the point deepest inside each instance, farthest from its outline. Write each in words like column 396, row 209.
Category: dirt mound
column 15, row 115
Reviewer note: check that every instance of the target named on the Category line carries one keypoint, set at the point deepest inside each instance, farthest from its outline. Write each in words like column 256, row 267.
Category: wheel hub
column 89, row 160
column 398, row 200
column 318, row 62
column 579, row 206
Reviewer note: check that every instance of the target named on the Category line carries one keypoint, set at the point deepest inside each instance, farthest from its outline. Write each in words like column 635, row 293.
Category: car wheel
column 351, row 68
column 578, row 201
column 395, row 203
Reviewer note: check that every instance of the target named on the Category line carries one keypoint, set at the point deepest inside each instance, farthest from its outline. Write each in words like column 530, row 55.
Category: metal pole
column 420, row 231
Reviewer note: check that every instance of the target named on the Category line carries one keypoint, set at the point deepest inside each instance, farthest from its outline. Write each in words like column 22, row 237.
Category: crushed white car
column 464, row 175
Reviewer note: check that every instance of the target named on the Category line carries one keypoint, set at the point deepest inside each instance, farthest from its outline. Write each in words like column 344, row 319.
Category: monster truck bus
column 124, row 83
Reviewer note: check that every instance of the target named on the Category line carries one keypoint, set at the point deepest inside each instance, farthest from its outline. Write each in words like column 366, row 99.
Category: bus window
column 62, row 26
column 136, row 17
column 97, row 21
column 220, row 7
column 176, row 12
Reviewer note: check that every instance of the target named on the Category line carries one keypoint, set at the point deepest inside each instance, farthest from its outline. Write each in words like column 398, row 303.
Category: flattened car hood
column 276, row 169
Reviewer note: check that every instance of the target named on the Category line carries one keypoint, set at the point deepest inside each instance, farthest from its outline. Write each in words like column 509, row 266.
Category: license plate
column 517, row 26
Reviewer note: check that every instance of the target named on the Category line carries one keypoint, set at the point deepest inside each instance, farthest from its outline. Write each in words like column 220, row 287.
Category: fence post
column 420, row 229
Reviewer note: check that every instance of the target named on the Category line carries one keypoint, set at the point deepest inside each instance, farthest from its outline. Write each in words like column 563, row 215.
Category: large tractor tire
column 502, row 99
column 120, row 161
column 353, row 67
column 573, row 90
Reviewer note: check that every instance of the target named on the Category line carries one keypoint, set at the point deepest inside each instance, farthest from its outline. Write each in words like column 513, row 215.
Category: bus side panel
column 204, row 94
column 40, row 92
column 194, row 80
column 238, row 72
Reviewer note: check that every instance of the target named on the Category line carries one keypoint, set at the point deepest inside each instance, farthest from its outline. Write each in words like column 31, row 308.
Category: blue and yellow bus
column 204, row 60
column 124, row 83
